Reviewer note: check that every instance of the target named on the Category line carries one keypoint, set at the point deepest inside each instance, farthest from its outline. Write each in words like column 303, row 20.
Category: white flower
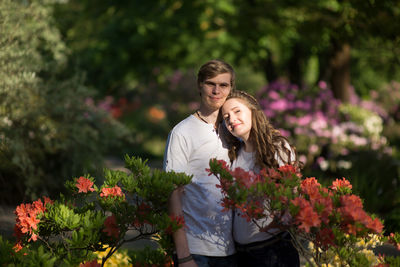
column 343, row 164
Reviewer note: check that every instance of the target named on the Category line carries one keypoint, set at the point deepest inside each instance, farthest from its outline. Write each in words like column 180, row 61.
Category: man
column 206, row 240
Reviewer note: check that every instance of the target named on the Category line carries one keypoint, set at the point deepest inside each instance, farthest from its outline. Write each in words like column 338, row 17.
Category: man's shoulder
column 185, row 125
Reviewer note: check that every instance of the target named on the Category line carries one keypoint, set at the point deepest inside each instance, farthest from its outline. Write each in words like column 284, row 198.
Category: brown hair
column 267, row 141
column 213, row 68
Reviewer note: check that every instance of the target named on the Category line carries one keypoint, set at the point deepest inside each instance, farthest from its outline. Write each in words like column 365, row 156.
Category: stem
column 46, row 243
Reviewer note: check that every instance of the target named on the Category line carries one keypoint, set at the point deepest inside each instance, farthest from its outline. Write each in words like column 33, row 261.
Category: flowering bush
column 332, row 219
column 91, row 225
column 337, row 139
column 322, row 127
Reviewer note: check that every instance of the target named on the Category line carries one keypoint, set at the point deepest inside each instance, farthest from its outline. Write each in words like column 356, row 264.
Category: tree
column 123, row 44
column 48, row 133
column 328, row 29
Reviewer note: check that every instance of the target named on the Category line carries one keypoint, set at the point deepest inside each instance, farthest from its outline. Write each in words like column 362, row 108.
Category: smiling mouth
column 234, row 126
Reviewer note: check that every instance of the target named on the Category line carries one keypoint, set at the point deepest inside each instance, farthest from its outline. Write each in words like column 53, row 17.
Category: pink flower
column 322, row 85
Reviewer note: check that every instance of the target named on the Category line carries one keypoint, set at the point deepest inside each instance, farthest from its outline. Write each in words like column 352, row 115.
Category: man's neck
column 209, row 115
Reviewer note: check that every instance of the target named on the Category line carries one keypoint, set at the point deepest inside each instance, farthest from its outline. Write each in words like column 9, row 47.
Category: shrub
column 47, row 132
column 93, row 222
column 332, row 219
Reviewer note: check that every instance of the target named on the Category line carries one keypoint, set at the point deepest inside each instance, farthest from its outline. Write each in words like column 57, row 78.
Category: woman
column 253, row 145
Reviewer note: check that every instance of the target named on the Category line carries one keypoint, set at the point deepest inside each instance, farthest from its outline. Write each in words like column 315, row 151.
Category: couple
column 245, row 138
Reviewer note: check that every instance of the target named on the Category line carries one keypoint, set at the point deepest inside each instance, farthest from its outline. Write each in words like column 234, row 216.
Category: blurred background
column 84, row 82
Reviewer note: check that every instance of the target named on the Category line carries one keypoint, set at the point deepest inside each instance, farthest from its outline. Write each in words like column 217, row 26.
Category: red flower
column 178, row 220
column 111, row 227
column 325, row 237
column 92, row 263
column 112, row 191
column 272, row 173
column 338, row 184
column 352, row 209
column 375, row 225
column 288, row 171
column 351, row 201
column 244, row 178
column 84, row 185
column 307, row 217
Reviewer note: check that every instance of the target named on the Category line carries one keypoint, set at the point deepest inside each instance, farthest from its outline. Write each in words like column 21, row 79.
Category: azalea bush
column 93, row 222
column 327, row 224
column 322, row 127
column 335, row 139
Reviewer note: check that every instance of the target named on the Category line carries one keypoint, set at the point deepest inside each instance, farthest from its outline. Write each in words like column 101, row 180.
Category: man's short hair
column 213, row 68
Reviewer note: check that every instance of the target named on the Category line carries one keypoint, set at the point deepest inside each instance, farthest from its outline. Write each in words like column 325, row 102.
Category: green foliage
column 156, row 256
column 376, row 178
column 392, row 261
column 6, row 252
column 93, row 222
column 48, row 133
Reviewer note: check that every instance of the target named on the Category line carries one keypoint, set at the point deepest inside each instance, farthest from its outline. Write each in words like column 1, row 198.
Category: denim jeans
column 279, row 254
column 209, row 261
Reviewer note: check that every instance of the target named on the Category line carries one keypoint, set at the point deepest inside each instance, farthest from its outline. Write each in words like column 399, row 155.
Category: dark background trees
column 120, row 44
column 112, row 77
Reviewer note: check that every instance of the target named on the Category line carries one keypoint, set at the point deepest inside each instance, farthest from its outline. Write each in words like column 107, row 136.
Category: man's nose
column 216, row 88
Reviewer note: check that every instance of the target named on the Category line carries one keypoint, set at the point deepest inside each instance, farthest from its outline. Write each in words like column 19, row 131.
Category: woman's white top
column 245, row 232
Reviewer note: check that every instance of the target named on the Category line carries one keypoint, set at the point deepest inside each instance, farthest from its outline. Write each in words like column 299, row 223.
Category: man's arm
column 175, row 158
column 180, row 240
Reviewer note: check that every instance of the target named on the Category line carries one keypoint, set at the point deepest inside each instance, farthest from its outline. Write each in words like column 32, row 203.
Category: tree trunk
column 269, row 68
column 295, row 65
column 340, row 71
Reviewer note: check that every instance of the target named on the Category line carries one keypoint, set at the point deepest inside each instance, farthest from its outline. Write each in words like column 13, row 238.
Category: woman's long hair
column 267, row 141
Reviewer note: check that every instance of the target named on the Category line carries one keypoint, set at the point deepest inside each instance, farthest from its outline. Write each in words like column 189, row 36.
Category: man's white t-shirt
column 190, row 146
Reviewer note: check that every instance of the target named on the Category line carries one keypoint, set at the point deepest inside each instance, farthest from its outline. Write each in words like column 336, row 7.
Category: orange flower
column 26, row 220
column 112, row 191
column 311, row 187
column 111, row 227
column 156, row 114
column 84, row 185
column 18, row 246
column 338, row 184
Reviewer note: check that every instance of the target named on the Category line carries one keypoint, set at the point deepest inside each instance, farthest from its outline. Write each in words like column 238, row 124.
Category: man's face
column 215, row 90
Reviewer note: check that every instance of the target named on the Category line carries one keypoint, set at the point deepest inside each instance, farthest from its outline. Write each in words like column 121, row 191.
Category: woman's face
column 237, row 117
